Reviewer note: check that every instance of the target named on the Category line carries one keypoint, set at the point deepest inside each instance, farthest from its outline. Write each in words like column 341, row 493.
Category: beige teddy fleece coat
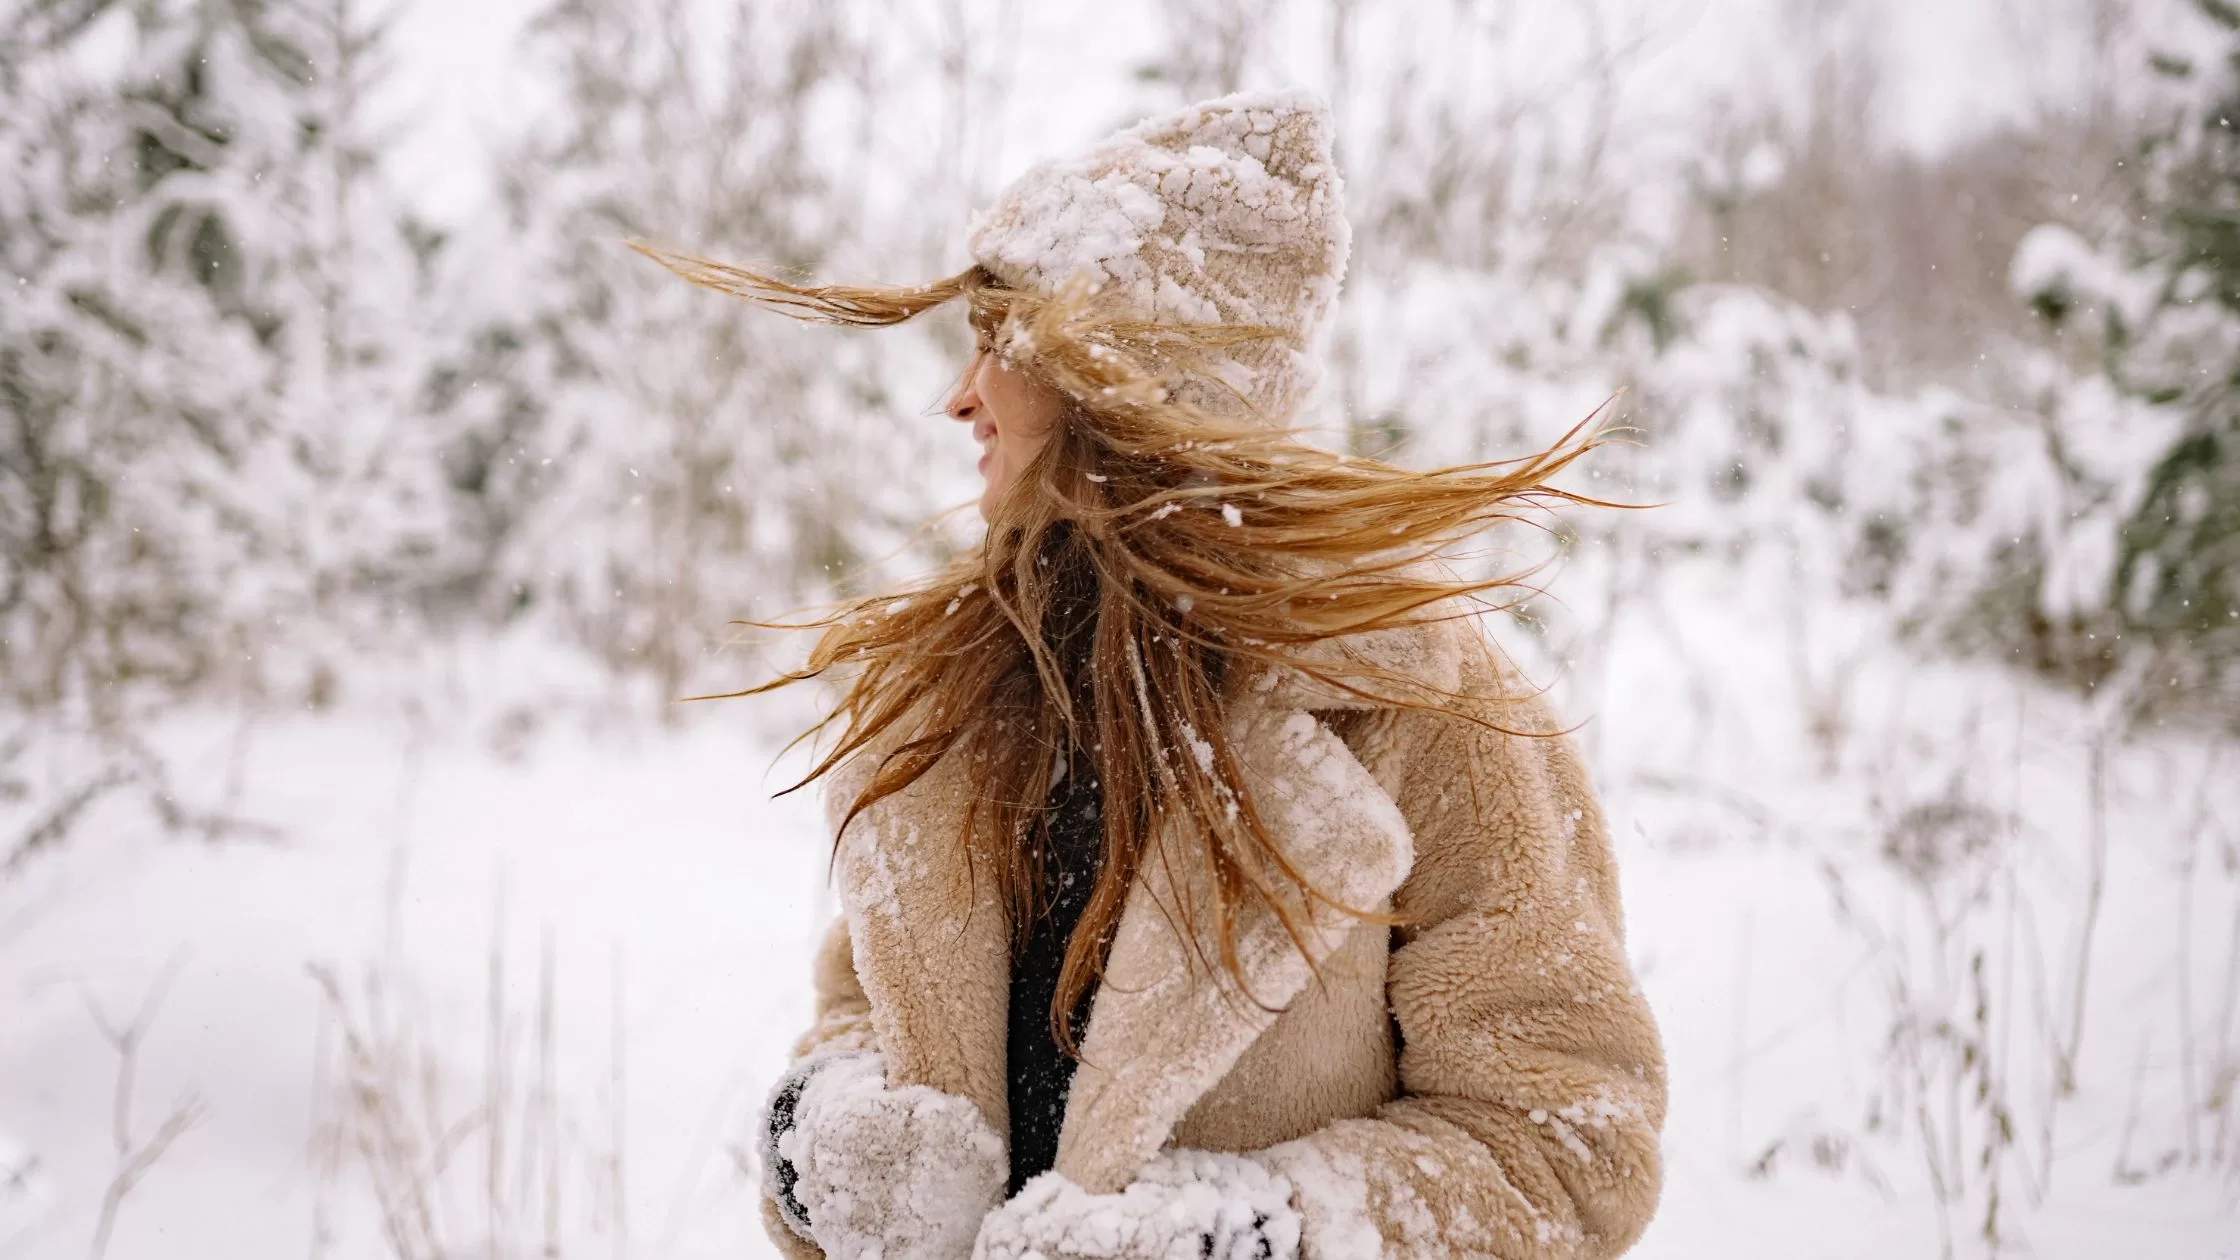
column 1483, row 1079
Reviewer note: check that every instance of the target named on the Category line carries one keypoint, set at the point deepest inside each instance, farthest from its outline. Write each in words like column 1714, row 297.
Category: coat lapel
column 1167, row 1023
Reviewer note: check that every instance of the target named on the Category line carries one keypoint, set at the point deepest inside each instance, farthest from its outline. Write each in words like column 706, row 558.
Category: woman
column 1211, row 887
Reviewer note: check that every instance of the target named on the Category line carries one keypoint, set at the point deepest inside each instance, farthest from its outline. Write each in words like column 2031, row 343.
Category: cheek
column 1025, row 415
column 1020, row 445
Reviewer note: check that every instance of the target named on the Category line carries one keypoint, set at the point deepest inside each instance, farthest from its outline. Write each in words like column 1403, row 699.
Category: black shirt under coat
column 1039, row 1069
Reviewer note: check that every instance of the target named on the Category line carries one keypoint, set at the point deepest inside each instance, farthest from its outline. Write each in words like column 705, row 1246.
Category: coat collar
column 932, row 950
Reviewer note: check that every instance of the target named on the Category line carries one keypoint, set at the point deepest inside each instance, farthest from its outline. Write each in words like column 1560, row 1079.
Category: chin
column 991, row 494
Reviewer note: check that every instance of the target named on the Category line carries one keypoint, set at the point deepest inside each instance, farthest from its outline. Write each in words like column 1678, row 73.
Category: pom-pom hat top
column 1229, row 211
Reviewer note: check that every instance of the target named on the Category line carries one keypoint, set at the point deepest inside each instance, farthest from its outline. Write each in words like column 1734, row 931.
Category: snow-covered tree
column 212, row 482
column 641, row 461
column 202, row 453
column 2177, row 579
column 2148, row 306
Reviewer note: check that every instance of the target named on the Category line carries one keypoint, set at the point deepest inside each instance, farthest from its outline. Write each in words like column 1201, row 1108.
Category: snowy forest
column 369, row 885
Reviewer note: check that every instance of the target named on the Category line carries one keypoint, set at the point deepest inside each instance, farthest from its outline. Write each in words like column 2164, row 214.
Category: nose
column 964, row 401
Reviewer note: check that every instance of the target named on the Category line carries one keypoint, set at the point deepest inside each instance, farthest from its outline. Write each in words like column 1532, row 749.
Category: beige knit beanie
column 1225, row 212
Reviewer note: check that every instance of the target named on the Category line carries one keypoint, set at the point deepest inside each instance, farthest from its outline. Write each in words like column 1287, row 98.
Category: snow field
column 657, row 854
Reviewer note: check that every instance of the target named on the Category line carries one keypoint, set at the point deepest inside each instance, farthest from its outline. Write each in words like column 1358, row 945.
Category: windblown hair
column 1151, row 548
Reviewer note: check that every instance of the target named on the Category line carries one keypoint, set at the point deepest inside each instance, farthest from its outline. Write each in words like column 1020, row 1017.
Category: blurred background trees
column 265, row 419
column 2177, row 580
column 273, row 432
column 209, row 358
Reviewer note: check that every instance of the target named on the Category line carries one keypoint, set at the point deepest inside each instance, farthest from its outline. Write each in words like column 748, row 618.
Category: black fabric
column 1263, row 1247
column 1040, row 1071
column 778, row 1124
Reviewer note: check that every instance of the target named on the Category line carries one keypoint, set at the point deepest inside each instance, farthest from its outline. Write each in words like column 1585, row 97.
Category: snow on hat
column 1229, row 211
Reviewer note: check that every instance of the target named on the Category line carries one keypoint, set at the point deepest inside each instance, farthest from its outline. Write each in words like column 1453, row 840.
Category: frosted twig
column 134, row 1159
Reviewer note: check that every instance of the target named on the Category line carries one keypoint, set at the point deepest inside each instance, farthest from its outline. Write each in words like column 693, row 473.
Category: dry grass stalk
column 135, row 1158
column 386, row 1110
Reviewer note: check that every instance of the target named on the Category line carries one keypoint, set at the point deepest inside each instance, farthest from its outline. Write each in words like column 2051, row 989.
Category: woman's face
column 1012, row 415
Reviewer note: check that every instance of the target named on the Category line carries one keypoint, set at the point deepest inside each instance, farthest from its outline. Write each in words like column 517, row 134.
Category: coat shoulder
column 1445, row 664
column 1430, row 661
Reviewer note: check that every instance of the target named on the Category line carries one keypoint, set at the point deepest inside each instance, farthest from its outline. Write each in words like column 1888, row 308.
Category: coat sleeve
column 842, row 1013
column 1532, row 1084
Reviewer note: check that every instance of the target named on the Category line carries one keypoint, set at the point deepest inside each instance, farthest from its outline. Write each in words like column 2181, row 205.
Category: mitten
column 1187, row 1205
column 871, row 1173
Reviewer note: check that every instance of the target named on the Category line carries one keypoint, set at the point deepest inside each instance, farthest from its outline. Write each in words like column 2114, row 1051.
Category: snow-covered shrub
column 2177, row 577
column 207, row 482
column 639, row 462
column 2141, row 410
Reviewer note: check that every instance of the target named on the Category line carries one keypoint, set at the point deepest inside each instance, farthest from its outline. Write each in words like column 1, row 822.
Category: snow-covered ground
column 676, row 902
column 654, row 865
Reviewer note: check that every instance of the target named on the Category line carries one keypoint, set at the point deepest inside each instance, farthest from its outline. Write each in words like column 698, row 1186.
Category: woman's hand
column 1187, row 1205
column 863, row 1170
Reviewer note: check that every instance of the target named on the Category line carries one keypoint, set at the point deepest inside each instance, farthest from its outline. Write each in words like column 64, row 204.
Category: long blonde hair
column 1151, row 548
